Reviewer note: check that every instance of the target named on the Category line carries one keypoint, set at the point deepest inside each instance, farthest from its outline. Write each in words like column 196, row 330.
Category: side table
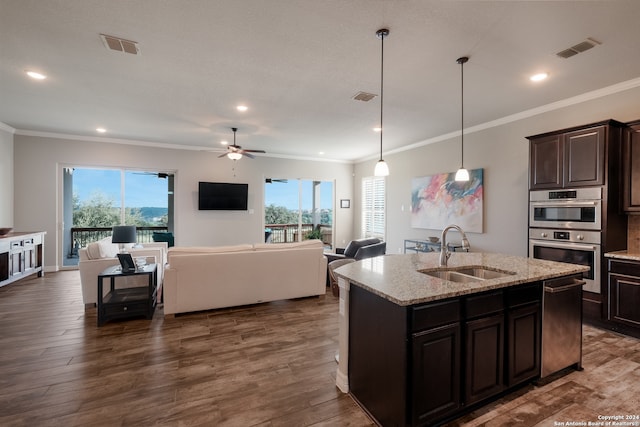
column 122, row 303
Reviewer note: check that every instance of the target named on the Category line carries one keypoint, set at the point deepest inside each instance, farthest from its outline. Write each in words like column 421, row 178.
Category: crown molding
column 7, row 128
column 140, row 143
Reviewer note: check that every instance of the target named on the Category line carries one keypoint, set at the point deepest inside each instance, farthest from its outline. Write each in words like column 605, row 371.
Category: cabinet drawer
column 435, row 314
column 126, row 308
column 626, row 268
column 484, row 304
column 524, row 294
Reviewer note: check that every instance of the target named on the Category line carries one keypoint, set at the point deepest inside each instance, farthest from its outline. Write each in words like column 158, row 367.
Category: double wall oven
column 566, row 226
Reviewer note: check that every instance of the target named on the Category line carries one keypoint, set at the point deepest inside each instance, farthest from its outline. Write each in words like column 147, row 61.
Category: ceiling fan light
column 462, row 175
column 381, row 169
column 234, row 155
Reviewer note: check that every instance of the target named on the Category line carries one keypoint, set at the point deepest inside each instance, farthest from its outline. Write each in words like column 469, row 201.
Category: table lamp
column 123, row 234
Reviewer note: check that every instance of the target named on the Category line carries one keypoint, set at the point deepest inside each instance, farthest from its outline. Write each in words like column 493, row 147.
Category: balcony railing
column 81, row 237
column 285, row 233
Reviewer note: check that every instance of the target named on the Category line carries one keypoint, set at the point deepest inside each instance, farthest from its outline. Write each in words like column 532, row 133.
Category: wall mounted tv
column 222, row 196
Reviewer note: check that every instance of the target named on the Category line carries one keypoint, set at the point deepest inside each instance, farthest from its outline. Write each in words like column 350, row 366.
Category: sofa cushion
column 278, row 246
column 209, row 249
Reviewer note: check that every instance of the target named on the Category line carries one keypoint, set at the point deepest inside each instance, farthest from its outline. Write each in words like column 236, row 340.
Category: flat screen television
column 222, row 196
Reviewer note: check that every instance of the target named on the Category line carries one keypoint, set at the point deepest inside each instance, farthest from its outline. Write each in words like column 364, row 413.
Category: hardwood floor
column 265, row 365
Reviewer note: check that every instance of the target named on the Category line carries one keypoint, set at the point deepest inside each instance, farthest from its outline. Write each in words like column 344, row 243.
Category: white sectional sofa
column 204, row 278
column 98, row 256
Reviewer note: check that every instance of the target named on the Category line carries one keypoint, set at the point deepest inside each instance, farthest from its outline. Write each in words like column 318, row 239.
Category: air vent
column 364, row 96
column 579, row 48
column 120, row 45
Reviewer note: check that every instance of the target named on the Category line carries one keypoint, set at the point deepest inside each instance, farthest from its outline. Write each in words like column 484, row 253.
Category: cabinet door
column 523, row 343
column 436, row 373
column 484, row 376
column 631, row 169
column 546, row 162
column 584, row 157
column 624, row 295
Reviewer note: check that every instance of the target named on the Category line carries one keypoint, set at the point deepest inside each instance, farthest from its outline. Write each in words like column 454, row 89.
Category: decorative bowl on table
column 433, row 239
column 5, row 230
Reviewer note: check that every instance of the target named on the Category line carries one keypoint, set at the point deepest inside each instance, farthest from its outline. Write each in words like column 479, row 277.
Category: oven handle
column 564, row 245
column 567, row 204
column 576, row 282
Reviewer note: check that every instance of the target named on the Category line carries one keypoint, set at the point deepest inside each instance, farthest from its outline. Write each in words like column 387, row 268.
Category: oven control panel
column 576, row 236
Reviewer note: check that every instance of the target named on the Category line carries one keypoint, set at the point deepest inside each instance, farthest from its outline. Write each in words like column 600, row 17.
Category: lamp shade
column 123, row 234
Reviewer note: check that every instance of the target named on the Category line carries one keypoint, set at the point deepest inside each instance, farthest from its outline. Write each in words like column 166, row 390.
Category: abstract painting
column 438, row 201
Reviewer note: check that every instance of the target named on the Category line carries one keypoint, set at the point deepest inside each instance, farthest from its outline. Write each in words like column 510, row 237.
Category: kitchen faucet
column 444, row 251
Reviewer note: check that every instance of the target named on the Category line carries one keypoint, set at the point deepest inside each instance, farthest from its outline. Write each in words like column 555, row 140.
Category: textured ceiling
column 297, row 64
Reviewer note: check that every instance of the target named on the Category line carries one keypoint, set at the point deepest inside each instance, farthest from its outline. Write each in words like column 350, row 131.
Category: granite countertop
column 628, row 255
column 397, row 277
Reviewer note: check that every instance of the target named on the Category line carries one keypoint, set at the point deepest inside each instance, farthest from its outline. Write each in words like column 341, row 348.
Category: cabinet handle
column 552, row 290
column 125, row 308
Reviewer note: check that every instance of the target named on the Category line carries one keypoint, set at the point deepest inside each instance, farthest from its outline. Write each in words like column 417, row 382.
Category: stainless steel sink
column 452, row 276
column 484, row 273
column 466, row 274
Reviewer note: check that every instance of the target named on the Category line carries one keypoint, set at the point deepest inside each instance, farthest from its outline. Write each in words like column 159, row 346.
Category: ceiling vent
column 120, row 45
column 579, row 48
column 364, row 96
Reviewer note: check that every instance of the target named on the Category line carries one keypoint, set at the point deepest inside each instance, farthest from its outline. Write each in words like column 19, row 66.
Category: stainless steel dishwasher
column 561, row 324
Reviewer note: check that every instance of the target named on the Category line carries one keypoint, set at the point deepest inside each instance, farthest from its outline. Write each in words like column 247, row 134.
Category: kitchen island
column 421, row 344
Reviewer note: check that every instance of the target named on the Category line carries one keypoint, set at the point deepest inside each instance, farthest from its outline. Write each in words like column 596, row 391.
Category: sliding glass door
column 94, row 200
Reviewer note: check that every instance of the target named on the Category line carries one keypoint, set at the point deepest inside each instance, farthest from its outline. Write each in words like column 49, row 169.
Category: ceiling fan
column 235, row 152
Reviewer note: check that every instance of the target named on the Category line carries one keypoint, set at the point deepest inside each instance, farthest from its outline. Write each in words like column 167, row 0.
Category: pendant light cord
column 382, row 35
column 461, row 61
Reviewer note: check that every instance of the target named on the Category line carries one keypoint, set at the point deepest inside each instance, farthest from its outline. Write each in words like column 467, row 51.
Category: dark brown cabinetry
column 524, row 320
column 575, row 157
column 624, row 294
column 449, row 355
column 631, row 168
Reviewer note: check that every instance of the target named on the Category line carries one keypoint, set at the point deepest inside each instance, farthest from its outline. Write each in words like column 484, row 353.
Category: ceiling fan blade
column 222, row 155
column 244, row 153
column 254, row 151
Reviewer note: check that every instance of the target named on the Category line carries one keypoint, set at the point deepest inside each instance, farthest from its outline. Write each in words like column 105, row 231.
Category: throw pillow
column 107, row 249
column 93, row 250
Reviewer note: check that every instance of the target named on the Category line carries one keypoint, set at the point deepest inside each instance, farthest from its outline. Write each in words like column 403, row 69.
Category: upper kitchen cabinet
column 631, row 167
column 576, row 157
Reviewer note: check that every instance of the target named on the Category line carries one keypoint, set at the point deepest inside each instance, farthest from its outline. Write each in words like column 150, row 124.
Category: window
column 296, row 209
column 373, row 207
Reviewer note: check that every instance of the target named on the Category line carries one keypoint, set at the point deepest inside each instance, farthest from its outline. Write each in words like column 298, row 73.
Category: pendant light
column 462, row 174
column 381, row 167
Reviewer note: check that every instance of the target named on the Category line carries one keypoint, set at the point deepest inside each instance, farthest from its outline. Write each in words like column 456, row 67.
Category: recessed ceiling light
column 242, row 108
column 538, row 77
column 224, row 142
column 321, row 153
column 377, row 129
column 36, row 76
column 101, row 130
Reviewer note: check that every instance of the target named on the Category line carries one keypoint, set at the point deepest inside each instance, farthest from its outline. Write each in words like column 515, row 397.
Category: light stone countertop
column 397, row 279
column 628, row 255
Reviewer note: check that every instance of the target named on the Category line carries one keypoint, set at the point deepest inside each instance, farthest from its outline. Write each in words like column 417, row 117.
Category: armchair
column 354, row 251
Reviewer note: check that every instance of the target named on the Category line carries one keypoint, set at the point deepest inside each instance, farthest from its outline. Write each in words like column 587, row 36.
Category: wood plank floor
column 265, row 365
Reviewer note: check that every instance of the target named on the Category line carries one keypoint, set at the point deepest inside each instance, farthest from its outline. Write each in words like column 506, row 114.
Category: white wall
column 6, row 178
column 503, row 154
column 39, row 161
